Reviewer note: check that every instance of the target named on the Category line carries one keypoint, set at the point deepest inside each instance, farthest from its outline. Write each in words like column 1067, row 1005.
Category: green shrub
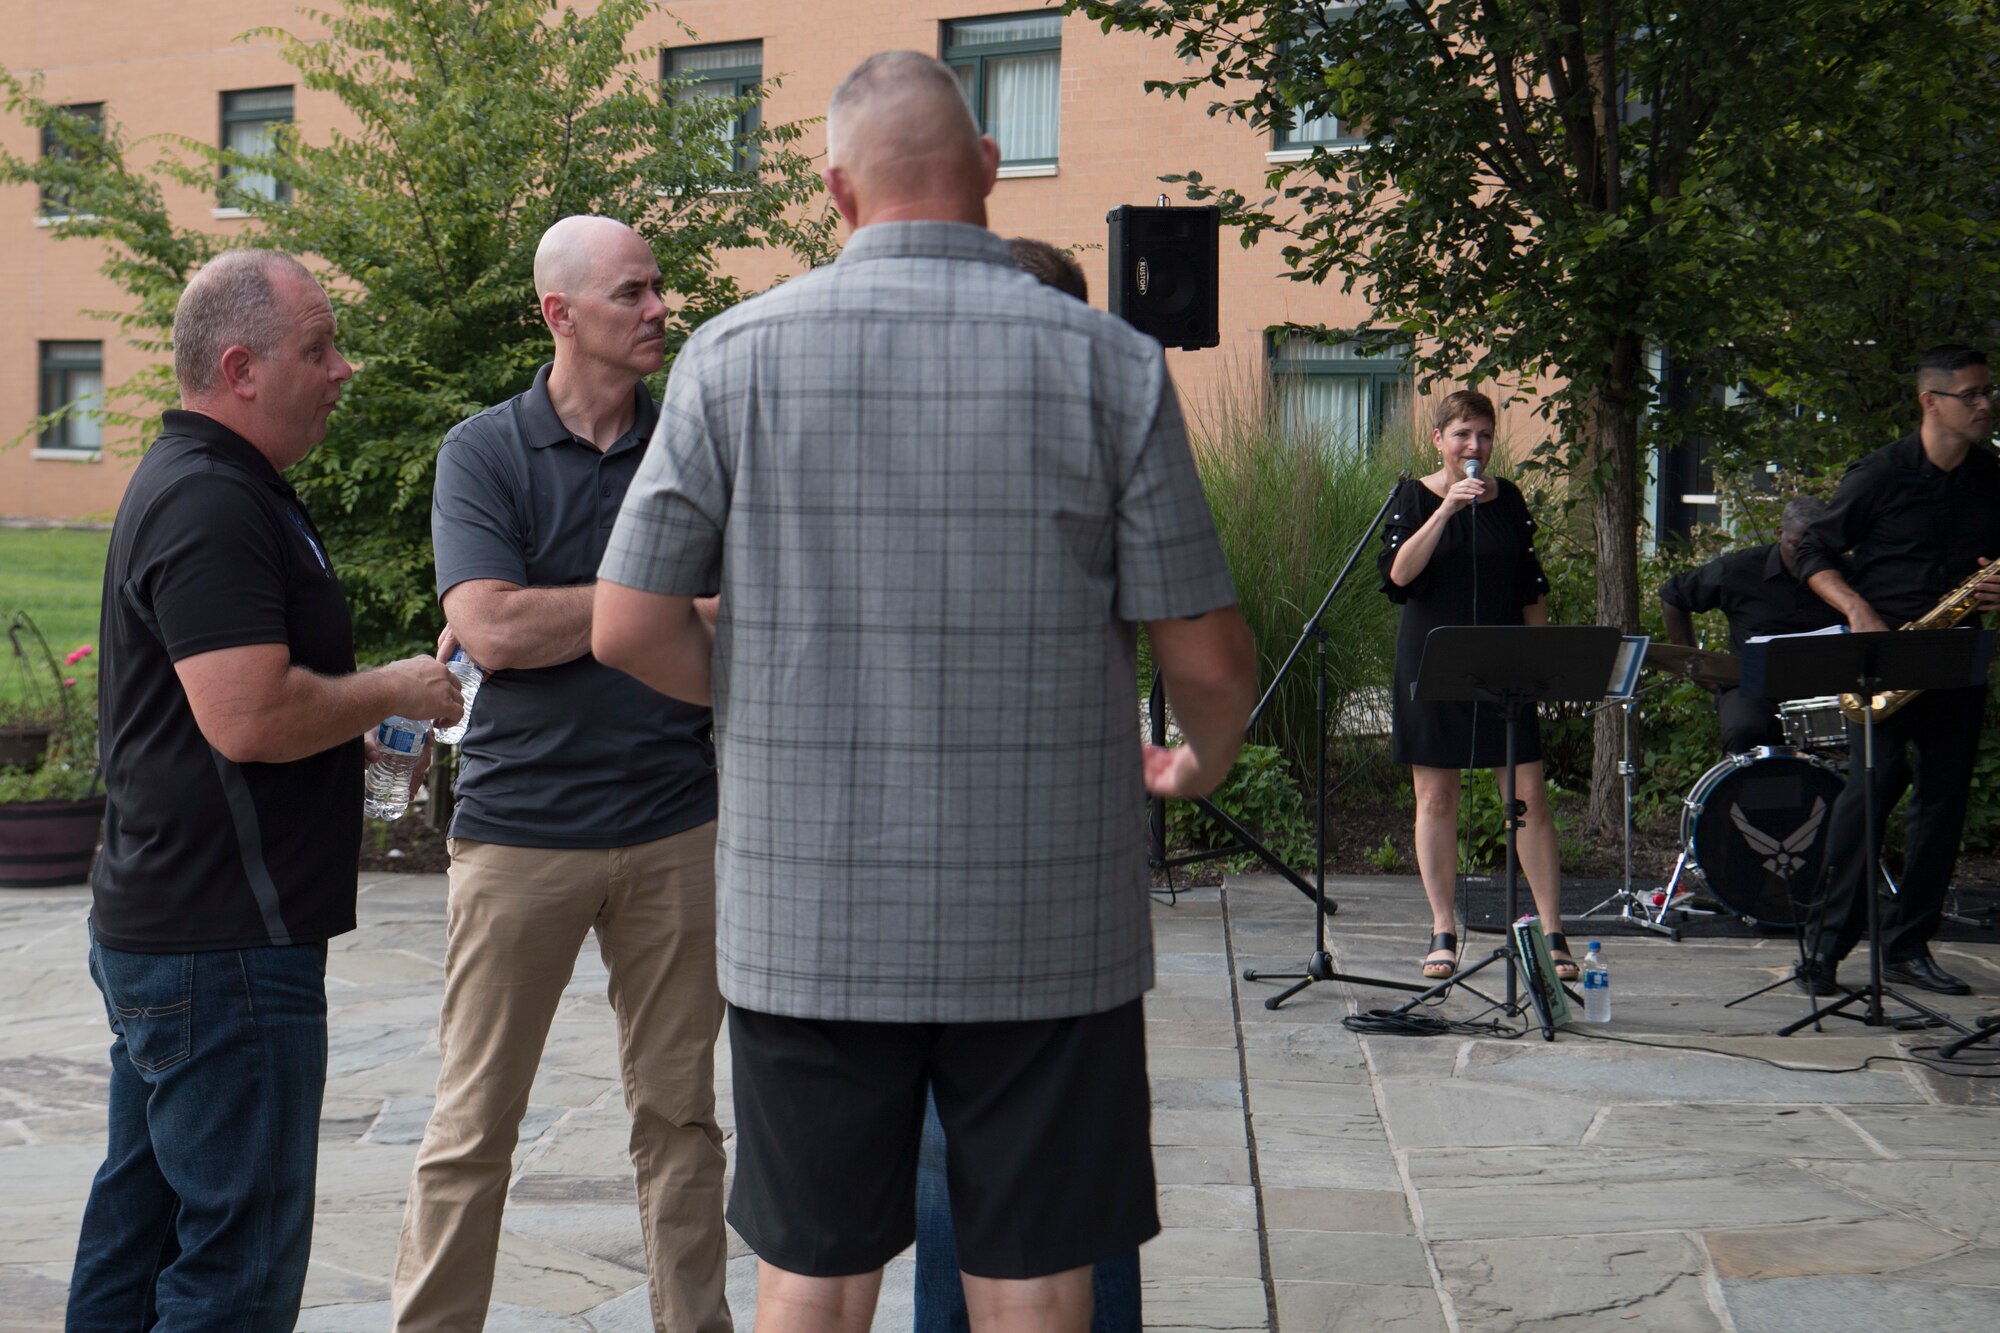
column 1288, row 509
column 1482, row 840
column 1259, row 793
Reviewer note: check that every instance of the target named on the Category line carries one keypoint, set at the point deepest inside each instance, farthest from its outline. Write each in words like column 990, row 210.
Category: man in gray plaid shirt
column 934, row 497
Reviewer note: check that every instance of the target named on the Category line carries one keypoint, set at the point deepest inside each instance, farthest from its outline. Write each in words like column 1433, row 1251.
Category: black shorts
column 1047, row 1131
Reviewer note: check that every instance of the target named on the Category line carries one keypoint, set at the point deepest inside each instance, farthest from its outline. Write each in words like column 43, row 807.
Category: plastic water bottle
column 1596, row 986
column 402, row 739
column 469, row 675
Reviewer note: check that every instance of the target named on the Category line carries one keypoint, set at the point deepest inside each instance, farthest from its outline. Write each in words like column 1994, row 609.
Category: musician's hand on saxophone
column 1987, row 595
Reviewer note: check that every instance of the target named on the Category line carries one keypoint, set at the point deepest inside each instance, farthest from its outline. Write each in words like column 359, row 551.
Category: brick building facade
column 1078, row 136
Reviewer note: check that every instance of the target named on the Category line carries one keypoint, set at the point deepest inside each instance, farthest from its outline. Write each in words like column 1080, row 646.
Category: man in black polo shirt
column 1918, row 516
column 1759, row 591
column 586, row 801
column 231, row 717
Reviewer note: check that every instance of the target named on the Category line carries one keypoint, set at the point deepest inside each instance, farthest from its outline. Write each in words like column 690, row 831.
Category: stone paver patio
column 1311, row 1180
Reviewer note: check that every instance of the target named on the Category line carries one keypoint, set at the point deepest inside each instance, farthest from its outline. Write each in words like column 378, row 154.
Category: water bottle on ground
column 1596, row 986
column 469, row 675
column 402, row 741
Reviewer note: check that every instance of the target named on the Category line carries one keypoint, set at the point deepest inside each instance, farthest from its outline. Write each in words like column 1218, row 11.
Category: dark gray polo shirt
column 576, row 755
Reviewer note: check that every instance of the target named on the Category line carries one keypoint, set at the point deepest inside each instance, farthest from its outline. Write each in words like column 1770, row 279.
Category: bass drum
column 1754, row 828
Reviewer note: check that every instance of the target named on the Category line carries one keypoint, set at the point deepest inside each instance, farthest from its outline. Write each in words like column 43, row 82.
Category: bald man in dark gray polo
column 586, row 802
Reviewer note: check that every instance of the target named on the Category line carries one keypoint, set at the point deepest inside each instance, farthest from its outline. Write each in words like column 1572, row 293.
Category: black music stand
column 1515, row 666
column 1867, row 665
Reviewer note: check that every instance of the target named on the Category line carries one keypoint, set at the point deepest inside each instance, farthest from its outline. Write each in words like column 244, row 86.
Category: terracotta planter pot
column 46, row 843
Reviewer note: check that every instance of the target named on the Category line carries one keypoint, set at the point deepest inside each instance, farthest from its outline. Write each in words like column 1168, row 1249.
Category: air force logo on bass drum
column 1782, row 857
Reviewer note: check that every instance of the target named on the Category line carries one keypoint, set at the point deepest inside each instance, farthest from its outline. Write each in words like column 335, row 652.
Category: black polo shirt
column 1915, row 531
column 1755, row 593
column 211, row 549
column 580, row 754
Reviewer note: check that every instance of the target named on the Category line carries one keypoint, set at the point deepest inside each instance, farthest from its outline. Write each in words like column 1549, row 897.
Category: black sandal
column 1442, row 969
column 1566, row 968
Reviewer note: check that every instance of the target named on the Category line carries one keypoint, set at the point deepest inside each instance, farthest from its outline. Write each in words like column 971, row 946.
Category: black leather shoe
column 1815, row 976
column 1924, row 974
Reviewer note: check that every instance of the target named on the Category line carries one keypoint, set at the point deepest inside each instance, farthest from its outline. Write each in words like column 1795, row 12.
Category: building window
column 1011, row 70
column 250, row 121
column 1303, row 133
column 1342, row 395
column 73, row 377
column 731, row 72
column 88, row 118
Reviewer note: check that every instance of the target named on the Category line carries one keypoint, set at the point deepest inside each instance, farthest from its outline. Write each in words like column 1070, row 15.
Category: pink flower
column 76, row 655
column 69, row 682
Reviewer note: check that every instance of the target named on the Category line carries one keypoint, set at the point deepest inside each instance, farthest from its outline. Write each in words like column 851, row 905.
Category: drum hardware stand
column 1515, row 666
column 1319, row 967
column 1979, row 918
column 1867, row 664
column 1627, row 897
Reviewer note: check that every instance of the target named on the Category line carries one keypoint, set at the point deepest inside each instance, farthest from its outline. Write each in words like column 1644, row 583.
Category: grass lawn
column 56, row 575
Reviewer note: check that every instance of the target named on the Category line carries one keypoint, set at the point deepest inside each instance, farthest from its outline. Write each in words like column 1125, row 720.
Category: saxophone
column 1956, row 606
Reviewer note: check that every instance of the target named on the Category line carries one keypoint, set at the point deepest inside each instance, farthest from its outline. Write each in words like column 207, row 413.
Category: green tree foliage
column 479, row 123
column 1554, row 187
column 1894, row 247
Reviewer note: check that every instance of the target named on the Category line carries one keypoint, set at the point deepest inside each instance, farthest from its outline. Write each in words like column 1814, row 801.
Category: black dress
column 1456, row 589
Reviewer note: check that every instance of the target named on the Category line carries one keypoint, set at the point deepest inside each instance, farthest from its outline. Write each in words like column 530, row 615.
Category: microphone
column 1472, row 471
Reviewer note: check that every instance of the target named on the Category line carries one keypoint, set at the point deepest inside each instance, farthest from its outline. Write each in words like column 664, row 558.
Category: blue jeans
column 201, row 1216
column 941, row 1296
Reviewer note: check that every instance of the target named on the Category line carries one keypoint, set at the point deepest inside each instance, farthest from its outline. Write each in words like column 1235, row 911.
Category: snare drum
column 1814, row 725
column 1754, row 828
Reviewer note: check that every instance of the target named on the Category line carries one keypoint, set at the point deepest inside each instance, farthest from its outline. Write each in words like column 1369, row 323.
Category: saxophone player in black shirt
column 1919, row 517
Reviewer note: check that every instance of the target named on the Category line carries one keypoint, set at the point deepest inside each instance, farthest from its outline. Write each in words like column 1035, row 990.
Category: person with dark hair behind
column 940, row 1296
column 1918, row 517
column 1049, row 266
column 1759, row 591
column 1460, row 550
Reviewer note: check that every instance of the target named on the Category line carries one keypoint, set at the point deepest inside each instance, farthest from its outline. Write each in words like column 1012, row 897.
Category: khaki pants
column 517, row 916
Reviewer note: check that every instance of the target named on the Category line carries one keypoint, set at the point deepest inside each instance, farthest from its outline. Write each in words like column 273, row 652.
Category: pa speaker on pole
column 1163, row 272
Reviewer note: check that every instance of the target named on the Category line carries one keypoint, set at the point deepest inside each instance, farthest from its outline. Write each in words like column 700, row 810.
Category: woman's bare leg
column 1437, row 845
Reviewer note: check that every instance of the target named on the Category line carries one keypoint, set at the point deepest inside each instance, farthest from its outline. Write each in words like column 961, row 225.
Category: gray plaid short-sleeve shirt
column 934, row 495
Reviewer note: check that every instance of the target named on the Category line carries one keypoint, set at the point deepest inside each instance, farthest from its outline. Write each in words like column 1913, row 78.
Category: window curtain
column 1022, row 96
column 1336, row 412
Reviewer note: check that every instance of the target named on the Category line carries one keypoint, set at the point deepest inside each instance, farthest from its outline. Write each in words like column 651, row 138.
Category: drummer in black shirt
column 1759, row 591
column 1918, row 516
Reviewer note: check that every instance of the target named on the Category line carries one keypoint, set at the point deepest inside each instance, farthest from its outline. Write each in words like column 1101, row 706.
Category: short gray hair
column 892, row 73
column 1805, row 510
column 232, row 300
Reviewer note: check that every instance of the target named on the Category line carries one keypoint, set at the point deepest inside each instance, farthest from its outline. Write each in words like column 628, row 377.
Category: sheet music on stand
column 1538, row 968
column 1624, row 682
column 1836, row 628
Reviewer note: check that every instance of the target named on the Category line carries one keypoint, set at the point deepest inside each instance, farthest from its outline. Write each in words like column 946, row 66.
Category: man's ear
column 555, row 311
column 239, row 371
column 841, row 190
column 989, row 164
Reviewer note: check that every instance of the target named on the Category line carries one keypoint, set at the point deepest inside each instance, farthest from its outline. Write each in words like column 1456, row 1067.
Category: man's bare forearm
column 1210, row 668
column 1680, row 625
column 661, row 641
column 254, row 706
column 506, row 627
column 1834, row 590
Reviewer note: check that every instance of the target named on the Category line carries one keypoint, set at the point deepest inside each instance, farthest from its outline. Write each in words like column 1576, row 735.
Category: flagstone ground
column 1311, row 1180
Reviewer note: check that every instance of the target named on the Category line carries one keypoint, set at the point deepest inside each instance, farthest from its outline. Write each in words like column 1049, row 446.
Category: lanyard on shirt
column 299, row 521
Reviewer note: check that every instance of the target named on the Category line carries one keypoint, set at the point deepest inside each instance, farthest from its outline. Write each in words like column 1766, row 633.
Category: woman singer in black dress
column 1448, row 561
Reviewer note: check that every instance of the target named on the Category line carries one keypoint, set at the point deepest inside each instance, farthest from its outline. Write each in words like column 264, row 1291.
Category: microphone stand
column 1319, row 967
